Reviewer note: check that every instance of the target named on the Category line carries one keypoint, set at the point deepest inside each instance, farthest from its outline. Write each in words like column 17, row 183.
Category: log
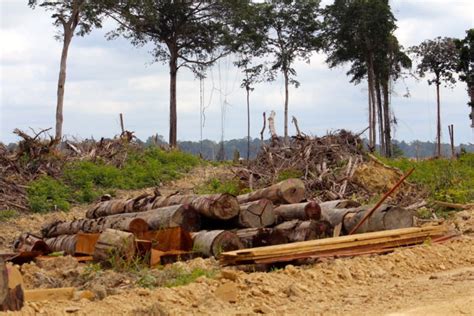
column 212, row 243
column 297, row 230
column 329, row 205
column 29, row 242
column 11, row 291
column 286, row 192
column 181, row 215
column 259, row 237
column 79, row 244
column 114, row 244
column 256, row 214
column 218, row 206
column 135, row 225
column 119, row 206
column 384, row 218
column 168, row 239
column 302, row 211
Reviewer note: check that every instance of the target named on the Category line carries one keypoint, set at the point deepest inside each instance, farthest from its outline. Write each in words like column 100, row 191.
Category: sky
column 105, row 78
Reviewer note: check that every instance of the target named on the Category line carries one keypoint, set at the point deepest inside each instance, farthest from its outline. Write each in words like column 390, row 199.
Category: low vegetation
column 85, row 181
column 214, row 185
column 446, row 179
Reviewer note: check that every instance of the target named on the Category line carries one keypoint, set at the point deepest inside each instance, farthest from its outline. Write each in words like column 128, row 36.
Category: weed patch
column 6, row 215
column 215, row 185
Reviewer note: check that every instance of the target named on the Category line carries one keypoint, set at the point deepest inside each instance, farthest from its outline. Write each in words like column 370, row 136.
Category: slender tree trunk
column 285, row 73
column 370, row 76
column 248, row 123
column 370, row 113
column 380, row 115
column 173, row 64
column 438, row 124
column 68, row 34
column 386, row 113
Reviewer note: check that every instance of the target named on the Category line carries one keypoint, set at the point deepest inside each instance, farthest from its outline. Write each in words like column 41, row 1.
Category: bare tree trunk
column 248, row 123
column 370, row 76
column 370, row 113
column 438, row 124
column 386, row 115
column 285, row 73
column 68, row 34
column 380, row 116
column 173, row 64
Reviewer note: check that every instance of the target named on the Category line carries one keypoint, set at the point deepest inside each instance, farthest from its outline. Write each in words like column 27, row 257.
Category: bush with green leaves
column 446, row 179
column 47, row 194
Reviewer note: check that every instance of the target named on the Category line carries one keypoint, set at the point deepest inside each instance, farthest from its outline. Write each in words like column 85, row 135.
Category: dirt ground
column 430, row 279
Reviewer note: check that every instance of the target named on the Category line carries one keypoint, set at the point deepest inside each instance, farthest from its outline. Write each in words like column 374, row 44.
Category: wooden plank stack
column 345, row 245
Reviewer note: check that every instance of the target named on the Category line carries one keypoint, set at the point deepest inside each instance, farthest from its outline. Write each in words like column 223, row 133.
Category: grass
column 85, row 181
column 6, row 215
column 446, row 180
column 182, row 278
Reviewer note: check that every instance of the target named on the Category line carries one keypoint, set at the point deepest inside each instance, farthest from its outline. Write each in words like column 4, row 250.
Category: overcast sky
column 105, row 78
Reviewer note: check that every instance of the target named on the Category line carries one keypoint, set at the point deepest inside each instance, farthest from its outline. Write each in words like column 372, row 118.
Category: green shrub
column 446, row 180
column 215, row 185
column 289, row 174
column 46, row 194
column 182, row 278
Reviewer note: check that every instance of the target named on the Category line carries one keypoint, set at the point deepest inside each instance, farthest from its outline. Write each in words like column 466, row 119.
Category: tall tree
column 73, row 17
column 293, row 34
column 185, row 34
column 466, row 66
column 358, row 32
column 438, row 57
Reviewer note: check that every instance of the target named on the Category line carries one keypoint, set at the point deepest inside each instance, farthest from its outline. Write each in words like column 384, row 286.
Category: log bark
column 212, row 243
column 384, row 218
column 66, row 243
column 29, row 242
column 329, row 205
column 303, row 211
column 218, row 206
column 256, row 214
column 114, row 243
column 183, row 216
column 297, row 230
column 286, row 192
column 11, row 291
column 260, row 237
column 112, row 207
column 135, row 225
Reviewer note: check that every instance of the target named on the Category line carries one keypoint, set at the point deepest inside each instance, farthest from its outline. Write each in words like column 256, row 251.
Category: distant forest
column 212, row 150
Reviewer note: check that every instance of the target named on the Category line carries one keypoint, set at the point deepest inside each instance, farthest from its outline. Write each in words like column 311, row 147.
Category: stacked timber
column 366, row 243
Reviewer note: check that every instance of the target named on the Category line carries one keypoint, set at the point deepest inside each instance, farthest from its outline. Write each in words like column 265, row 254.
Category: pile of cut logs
column 207, row 225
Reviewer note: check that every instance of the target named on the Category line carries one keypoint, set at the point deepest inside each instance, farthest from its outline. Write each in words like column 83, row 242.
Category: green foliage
column 214, row 185
column 6, row 215
column 46, row 194
column 85, row 181
column 446, row 180
column 289, row 174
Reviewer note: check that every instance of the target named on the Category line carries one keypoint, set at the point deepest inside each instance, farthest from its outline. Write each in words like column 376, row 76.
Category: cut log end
column 225, row 207
column 214, row 242
column 257, row 214
column 137, row 225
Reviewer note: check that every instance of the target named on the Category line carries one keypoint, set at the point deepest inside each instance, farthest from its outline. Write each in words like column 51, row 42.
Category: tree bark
column 329, row 205
column 384, row 218
column 135, row 225
column 260, row 237
column 302, row 211
column 29, row 242
column 438, row 122
column 386, row 113
column 297, row 230
column 212, row 243
column 66, row 243
column 248, row 123
column 380, row 115
column 173, row 65
column 370, row 75
column 114, row 244
column 289, row 191
column 218, row 206
column 11, row 291
column 285, row 74
column 68, row 34
column 256, row 214
column 183, row 216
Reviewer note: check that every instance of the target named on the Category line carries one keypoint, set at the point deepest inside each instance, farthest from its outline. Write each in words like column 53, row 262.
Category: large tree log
column 384, row 218
column 29, row 242
column 256, row 214
column 259, row 237
column 212, row 243
column 11, row 291
column 183, row 216
column 289, row 191
column 218, row 206
column 119, row 206
column 302, row 211
column 297, row 230
column 66, row 243
column 329, row 205
column 114, row 244
column 135, row 225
